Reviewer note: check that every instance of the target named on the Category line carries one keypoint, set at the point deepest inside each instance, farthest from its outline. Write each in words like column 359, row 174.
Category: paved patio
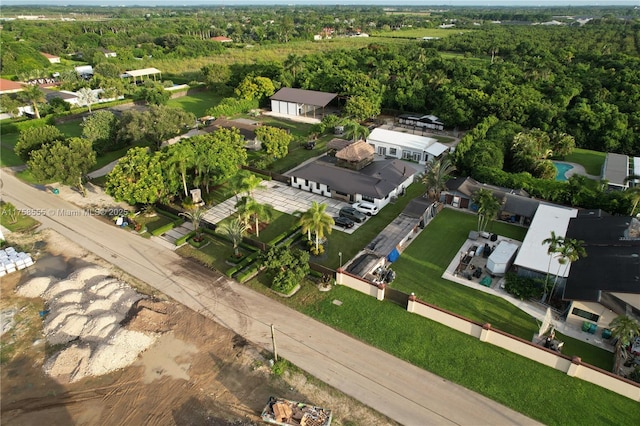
column 284, row 199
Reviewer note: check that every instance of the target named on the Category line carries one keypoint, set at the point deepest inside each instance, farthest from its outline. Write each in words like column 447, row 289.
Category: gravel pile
column 85, row 311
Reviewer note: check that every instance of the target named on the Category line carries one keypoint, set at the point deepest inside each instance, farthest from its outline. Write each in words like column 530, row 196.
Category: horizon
column 380, row 3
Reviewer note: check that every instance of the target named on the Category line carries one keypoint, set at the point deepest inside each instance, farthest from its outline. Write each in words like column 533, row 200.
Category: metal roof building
column 300, row 102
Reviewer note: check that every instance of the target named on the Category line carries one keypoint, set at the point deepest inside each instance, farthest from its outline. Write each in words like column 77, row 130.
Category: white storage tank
column 501, row 258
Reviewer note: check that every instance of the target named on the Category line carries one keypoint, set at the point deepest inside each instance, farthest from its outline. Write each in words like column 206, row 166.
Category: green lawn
column 196, row 103
column 592, row 161
column 8, row 157
column 14, row 220
column 71, row 129
column 214, row 254
column 537, row 391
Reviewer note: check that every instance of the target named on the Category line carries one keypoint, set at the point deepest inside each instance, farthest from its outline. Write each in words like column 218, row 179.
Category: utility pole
column 273, row 339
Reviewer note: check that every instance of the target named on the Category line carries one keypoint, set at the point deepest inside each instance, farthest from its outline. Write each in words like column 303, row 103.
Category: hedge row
column 180, row 241
column 242, row 264
column 284, row 235
column 249, row 273
column 7, row 127
column 166, row 228
column 171, row 215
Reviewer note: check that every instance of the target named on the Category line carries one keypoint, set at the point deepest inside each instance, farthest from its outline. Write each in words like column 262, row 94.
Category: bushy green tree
column 275, row 141
column 101, row 129
column 65, row 161
column 287, row 267
column 33, row 138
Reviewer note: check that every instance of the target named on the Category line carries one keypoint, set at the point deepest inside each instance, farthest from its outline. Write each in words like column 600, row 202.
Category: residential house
column 405, row 146
column 533, row 259
column 379, row 182
column 516, row 204
column 221, row 39
column 84, row 71
column 8, row 86
column 615, row 171
column 108, row 53
column 53, row 59
column 247, row 130
column 606, row 283
column 299, row 102
column 421, row 121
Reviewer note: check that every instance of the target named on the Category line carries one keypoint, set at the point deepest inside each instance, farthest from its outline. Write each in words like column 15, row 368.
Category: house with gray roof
column 615, row 171
column 299, row 102
column 377, row 183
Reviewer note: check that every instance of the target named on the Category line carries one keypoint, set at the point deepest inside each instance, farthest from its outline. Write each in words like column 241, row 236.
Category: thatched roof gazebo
column 356, row 155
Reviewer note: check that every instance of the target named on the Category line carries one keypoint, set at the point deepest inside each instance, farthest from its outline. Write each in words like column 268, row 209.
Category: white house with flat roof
column 533, row 259
column 405, row 146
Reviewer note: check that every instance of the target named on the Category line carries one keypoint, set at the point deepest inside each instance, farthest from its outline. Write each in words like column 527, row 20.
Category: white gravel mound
column 35, row 287
column 87, row 309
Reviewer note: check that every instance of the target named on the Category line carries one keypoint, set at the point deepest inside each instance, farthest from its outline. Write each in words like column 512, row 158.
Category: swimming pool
column 562, row 169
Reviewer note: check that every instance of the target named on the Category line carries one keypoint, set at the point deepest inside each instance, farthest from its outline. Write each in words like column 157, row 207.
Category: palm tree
column 488, row 207
column 554, row 242
column 294, row 64
column 633, row 194
column 259, row 212
column 316, row 219
column 354, row 130
column 624, row 329
column 34, row 96
column 87, row 97
column 569, row 250
column 195, row 216
column 242, row 208
column 234, row 230
column 181, row 157
column 436, row 176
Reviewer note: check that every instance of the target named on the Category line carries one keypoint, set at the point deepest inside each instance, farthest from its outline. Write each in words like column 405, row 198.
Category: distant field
column 275, row 52
column 418, row 33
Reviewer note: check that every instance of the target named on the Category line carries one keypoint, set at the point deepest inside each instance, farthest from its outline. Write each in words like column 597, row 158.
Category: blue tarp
column 394, row 255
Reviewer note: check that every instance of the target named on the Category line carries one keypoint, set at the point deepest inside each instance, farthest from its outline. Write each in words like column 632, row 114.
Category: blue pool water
column 562, row 169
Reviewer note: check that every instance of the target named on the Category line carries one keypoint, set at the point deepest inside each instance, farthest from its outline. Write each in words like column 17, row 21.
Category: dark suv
column 353, row 214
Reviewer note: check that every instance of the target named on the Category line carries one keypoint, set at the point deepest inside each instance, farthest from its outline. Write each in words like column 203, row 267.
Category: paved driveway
column 283, row 198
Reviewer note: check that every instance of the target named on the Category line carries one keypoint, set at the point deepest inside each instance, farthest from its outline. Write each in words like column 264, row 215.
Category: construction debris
column 283, row 412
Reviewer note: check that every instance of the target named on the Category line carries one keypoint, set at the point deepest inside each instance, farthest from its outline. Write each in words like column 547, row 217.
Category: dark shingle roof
column 301, row 96
column 612, row 264
column 376, row 180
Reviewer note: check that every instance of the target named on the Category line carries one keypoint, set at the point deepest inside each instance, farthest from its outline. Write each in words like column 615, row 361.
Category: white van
column 369, row 209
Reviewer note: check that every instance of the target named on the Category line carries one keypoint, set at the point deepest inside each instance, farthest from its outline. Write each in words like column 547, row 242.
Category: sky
column 168, row 3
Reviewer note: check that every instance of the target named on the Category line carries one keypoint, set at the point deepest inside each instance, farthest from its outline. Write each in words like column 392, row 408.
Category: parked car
column 353, row 214
column 369, row 209
column 310, row 145
column 344, row 222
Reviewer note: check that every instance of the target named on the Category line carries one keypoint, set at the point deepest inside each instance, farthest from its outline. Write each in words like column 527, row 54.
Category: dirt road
column 397, row 389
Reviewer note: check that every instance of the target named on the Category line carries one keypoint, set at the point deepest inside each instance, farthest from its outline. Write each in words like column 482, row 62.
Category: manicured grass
column 196, row 103
column 154, row 222
column 213, row 255
column 71, row 129
column 592, row 161
column 8, row 157
column 281, row 222
column 22, row 222
column 539, row 392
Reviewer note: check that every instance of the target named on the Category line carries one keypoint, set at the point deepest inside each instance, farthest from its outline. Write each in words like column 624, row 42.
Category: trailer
column 283, row 412
column 501, row 258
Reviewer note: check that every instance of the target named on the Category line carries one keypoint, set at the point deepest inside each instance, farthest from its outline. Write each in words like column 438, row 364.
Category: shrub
column 180, row 241
column 248, row 273
column 197, row 244
column 232, row 106
column 163, row 229
column 523, row 287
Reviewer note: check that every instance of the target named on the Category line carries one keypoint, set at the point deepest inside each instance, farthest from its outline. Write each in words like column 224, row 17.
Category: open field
column 418, row 33
column 196, row 103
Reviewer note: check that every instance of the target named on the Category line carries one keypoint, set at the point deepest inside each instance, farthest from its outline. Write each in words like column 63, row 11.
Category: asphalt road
column 393, row 387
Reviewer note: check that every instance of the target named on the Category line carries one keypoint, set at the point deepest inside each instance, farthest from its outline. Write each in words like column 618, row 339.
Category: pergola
column 145, row 72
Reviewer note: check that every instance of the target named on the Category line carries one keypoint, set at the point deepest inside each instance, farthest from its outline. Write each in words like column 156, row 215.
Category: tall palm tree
column 488, row 207
column 624, row 329
column 436, row 176
column 316, row 220
column 569, row 250
column 234, row 229
column 195, row 216
column 294, row 64
column 554, row 242
column 243, row 210
column 87, row 97
column 181, row 158
column 633, row 194
column 258, row 212
column 34, row 96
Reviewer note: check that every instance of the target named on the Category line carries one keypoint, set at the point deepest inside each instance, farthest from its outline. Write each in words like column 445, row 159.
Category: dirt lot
column 197, row 372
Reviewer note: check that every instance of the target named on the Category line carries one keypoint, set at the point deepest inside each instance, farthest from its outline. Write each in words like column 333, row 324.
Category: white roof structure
column 142, row 72
column 408, row 140
column 436, row 149
column 533, row 254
